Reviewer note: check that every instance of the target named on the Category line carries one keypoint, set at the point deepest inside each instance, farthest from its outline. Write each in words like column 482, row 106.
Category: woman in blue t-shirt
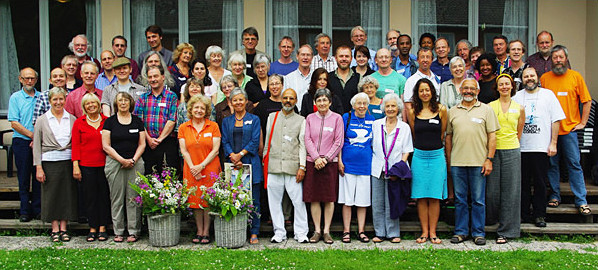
column 354, row 179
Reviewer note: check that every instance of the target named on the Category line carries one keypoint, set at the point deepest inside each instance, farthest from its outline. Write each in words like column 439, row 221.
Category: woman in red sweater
column 88, row 167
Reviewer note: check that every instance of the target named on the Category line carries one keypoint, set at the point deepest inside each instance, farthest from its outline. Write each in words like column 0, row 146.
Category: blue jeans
column 255, row 222
column 568, row 148
column 469, row 180
column 31, row 203
column 384, row 226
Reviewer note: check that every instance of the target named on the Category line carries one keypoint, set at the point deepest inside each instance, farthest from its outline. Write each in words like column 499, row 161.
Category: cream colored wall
column 400, row 16
column 592, row 47
column 254, row 14
column 112, row 21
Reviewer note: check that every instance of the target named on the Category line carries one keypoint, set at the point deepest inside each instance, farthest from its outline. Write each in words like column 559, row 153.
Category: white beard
column 468, row 98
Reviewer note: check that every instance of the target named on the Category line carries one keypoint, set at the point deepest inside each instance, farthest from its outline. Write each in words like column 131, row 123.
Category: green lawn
column 53, row 258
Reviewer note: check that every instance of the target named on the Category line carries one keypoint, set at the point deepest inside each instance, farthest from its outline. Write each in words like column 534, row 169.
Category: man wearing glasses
column 250, row 38
column 119, row 47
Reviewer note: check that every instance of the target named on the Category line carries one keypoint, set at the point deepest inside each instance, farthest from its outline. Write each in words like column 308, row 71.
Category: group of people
column 428, row 128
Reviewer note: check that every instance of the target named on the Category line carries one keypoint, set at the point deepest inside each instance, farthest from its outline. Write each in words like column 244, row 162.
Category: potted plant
column 230, row 202
column 162, row 197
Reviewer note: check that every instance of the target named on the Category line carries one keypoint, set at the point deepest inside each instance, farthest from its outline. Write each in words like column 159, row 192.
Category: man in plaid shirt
column 157, row 109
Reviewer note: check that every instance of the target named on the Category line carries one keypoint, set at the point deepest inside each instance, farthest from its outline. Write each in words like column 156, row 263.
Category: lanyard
column 387, row 155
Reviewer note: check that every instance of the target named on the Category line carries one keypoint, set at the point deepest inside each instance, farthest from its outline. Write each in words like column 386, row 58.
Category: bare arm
column 106, row 109
column 168, row 128
column 487, row 167
column 18, row 127
column 585, row 115
column 520, row 123
column 448, row 146
column 554, row 136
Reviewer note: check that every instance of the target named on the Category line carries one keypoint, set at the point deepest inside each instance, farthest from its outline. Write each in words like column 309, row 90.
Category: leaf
column 234, row 211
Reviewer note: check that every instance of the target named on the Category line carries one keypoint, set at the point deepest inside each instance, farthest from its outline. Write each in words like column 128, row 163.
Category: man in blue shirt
column 440, row 66
column 285, row 64
column 20, row 116
column 405, row 64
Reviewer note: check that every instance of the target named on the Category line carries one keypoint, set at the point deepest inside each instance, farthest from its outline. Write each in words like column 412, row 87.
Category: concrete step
column 10, row 205
column 569, row 209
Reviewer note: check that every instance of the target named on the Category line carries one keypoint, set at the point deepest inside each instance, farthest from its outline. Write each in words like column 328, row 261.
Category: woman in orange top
column 199, row 139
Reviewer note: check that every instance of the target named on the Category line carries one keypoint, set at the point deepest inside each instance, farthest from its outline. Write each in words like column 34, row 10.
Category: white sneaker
column 276, row 239
column 302, row 239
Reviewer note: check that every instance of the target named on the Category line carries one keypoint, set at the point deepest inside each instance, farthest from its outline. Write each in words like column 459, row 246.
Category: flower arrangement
column 161, row 193
column 226, row 198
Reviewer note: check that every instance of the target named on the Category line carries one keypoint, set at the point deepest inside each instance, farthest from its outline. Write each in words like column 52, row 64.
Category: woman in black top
column 362, row 57
column 487, row 66
column 319, row 80
column 428, row 120
column 123, row 139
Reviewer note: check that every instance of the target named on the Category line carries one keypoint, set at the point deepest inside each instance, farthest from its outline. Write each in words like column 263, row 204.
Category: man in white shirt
column 424, row 59
column 299, row 79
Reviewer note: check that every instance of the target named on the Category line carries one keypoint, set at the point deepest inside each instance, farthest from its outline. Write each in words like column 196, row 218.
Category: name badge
column 513, row 110
column 329, row 129
column 139, row 93
column 562, row 94
column 162, row 104
column 182, row 79
column 134, row 130
column 209, row 134
column 434, row 121
column 248, row 65
column 476, row 120
column 288, row 138
column 369, row 122
column 248, row 122
column 389, row 90
column 376, row 111
column 401, row 70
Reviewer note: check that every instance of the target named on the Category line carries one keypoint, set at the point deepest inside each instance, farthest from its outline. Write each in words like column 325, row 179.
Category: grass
column 56, row 258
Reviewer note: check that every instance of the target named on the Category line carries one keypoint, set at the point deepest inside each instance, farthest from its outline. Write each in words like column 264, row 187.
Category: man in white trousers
column 285, row 147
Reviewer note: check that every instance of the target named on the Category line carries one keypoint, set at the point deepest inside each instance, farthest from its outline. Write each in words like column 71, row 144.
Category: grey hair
column 306, row 46
column 361, row 95
column 367, row 80
column 396, row 98
column 214, row 49
column 261, row 59
column 454, row 61
column 323, row 92
column 560, row 48
column 228, row 79
column 276, row 76
column 238, row 91
column 477, row 84
column 469, row 45
column 360, row 28
column 90, row 63
column 236, row 58
column 72, row 44
column 55, row 91
column 168, row 79
column 66, row 58
column 319, row 36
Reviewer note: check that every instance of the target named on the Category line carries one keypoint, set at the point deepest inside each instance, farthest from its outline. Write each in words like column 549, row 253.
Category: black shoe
column 540, row 222
column 24, row 218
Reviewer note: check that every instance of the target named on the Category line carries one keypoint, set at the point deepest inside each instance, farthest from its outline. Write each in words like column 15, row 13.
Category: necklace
column 93, row 121
column 238, row 118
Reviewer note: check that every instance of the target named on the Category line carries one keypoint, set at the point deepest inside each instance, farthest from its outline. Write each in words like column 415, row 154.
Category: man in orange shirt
column 570, row 88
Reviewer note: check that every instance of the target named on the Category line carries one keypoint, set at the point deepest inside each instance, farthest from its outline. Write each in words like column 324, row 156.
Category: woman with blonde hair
column 181, row 69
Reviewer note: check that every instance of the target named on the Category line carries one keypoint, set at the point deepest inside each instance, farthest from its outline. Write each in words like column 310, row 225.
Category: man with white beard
column 80, row 46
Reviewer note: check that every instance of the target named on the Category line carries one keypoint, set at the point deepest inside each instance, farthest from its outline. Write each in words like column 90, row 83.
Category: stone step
column 10, row 205
column 569, row 209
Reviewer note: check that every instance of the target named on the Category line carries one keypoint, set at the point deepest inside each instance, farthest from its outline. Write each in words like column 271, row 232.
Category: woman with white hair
column 237, row 65
column 214, row 56
column 449, row 91
column 391, row 144
column 153, row 59
column 369, row 85
column 257, row 89
column 354, row 179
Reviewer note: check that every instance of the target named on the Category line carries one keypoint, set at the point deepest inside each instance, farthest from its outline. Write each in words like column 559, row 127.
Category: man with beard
column 424, row 59
column 541, row 60
column 570, row 89
column 153, row 35
column 20, row 116
column 79, row 45
column 359, row 37
column 538, row 143
column 286, row 167
column 405, row 64
column 391, row 43
column 343, row 81
column 119, row 47
column 89, row 73
column 470, row 146
column 157, row 109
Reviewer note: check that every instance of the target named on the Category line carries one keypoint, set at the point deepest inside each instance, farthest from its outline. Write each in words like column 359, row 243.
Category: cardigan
column 251, row 142
column 44, row 140
column 324, row 136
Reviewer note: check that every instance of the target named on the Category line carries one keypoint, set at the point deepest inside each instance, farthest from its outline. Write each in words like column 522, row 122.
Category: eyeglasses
column 120, row 45
column 29, row 78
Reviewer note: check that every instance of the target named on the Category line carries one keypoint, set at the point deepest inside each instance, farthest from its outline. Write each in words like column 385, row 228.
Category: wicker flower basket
column 230, row 234
column 164, row 230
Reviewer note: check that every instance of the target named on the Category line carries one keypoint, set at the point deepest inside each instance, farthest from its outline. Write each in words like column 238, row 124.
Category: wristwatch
column 490, row 158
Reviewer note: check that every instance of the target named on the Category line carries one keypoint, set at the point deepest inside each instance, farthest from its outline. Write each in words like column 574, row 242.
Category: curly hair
column 418, row 104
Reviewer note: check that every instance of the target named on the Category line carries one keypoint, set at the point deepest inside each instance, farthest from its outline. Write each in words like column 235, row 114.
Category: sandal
column 421, row 240
column 585, row 210
column 396, row 240
column 458, row 238
column 64, row 236
column 196, row 239
column 553, row 203
column 377, row 239
column 132, row 238
column 91, row 236
column 55, row 237
column 363, row 238
column 328, row 239
column 102, row 236
column 205, row 240
column 501, row 240
column 479, row 240
column 315, row 238
column 253, row 240
column 346, row 237
column 435, row 240
column 119, row 239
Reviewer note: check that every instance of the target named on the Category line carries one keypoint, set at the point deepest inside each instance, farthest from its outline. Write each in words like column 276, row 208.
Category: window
column 145, row 13
column 475, row 20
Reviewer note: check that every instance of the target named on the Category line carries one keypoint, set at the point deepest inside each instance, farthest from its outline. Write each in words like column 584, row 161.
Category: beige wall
column 592, row 48
column 252, row 16
column 112, row 22
column 400, row 16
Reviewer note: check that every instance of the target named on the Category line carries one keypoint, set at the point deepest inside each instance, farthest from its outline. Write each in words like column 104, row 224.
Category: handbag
column 266, row 158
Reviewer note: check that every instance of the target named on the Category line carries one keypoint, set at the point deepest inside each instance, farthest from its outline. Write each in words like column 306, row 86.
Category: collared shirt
column 329, row 64
column 469, row 129
column 404, row 69
column 371, row 61
column 449, row 95
column 87, row 58
column 155, row 111
column 20, row 109
column 408, row 94
column 542, row 65
column 344, row 82
column 102, row 81
column 442, row 71
column 298, row 82
column 62, row 132
column 517, row 75
column 402, row 145
column 287, row 149
column 42, row 105
column 110, row 92
column 166, row 56
column 503, row 65
column 73, row 100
